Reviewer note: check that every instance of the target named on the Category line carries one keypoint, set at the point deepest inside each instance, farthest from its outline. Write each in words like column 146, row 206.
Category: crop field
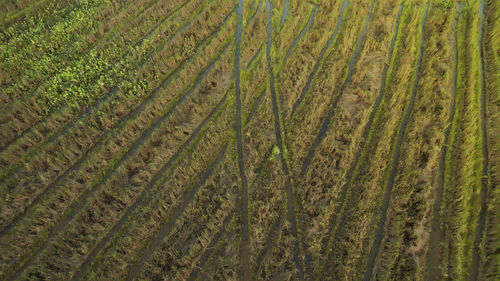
column 250, row 140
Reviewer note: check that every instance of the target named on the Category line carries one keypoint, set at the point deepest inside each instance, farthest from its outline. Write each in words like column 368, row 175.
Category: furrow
column 146, row 192
column 324, row 127
column 82, row 201
column 211, row 248
column 320, row 57
column 167, row 228
column 395, row 160
column 8, row 18
column 245, row 238
column 255, row 14
column 254, row 57
column 285, row 12
column 64, row 53
column 476, row 253
column 301, row 34
column 138, row 43
column 288, row 184
column 118, row 127
column 437, row 232
column 331, row 234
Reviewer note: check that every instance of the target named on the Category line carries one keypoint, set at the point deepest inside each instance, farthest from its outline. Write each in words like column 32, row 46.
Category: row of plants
column 267, row 198
column 107, row 118
column 294, row 91
column 131, row 178
column 73, row 86
column 412, row 199
column 137, row 56
column 232, row 271
column 33, row 20
column 320, row 186
column 464, row 256
column 116, row 144
column 260, row 116
column 14, row 12
column 202, row 148
column 395, row 157
column 32, row 58
column 264, row 215
column 344, row 228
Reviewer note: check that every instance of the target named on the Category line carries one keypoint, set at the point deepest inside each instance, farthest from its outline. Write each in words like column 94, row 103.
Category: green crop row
column 130, row 178
column 111, row 149
column 34, row 53
column 355, row 226
column 465, row 183
column 36, row 21
column 35, row 106
column 136, row 57
column 21, row 10
column 212, row 138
